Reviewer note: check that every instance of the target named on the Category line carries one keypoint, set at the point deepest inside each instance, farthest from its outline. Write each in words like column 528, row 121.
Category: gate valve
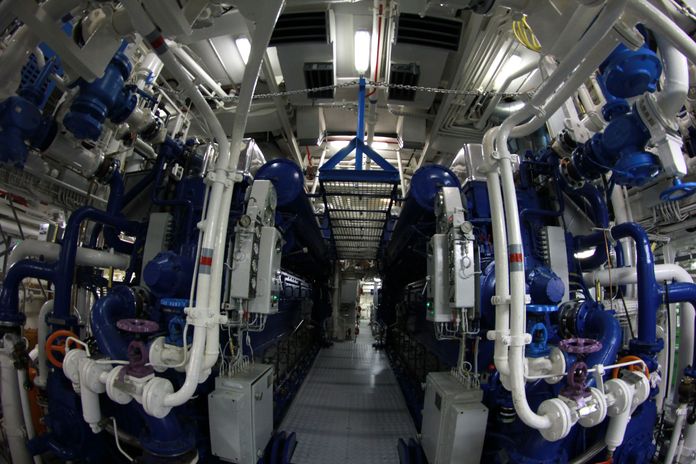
column 678, row 191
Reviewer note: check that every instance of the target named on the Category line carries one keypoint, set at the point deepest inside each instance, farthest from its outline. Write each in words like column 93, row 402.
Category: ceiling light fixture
column 244, row 48
column 362, row 51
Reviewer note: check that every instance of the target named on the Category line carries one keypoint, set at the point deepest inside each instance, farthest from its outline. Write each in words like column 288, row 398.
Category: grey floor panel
column 350, row 408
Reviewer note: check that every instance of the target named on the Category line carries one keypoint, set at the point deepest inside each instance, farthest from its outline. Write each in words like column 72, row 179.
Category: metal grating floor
column 357, row 212
column 350, row 408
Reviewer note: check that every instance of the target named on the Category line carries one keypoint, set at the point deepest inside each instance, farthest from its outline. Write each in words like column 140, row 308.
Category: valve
column 678, row 191
column 52, row 347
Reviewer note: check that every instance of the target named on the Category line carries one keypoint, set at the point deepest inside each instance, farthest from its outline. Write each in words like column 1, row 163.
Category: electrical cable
column 525, row 35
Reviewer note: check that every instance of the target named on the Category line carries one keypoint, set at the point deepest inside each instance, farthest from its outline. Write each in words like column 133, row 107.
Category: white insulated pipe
column 663, row 272
column 676, row 434
column 26, row 408
column 662, row 25
column 51, row 251
column 196, row 69
column 502, row 285
column 676, row 78
column 559, row 87
column 524, row 70
column 205, row 316
column 11, row 403
column 42, row 334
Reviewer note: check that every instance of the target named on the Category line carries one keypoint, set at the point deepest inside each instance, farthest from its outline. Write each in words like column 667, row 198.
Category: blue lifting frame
column 329, row 172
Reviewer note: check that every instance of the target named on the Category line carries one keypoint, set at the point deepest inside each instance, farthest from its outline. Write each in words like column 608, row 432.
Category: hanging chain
column 373, row 84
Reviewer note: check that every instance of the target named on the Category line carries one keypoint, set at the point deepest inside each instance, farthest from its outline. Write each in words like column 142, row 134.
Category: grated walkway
column 350, row 408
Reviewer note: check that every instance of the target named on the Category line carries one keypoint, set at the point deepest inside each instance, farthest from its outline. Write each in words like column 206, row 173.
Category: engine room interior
column 348, row 231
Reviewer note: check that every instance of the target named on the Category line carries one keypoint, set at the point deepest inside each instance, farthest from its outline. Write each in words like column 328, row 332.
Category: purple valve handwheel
column 580, row 345
column 138, row 326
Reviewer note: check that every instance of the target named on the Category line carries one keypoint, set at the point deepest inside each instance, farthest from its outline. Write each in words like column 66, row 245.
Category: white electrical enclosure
column 268, row 283
column 454, row 421
column 438, row 307
column 241, row 414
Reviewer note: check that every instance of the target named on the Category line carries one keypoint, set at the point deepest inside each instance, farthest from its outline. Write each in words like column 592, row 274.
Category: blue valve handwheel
column 678, row 191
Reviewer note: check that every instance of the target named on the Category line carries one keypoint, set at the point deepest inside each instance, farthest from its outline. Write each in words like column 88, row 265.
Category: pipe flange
column 622, row 395
column 155, row 355
column 558, row 366
column 153, row 397
column 114, row 393
column 561, row 419
column 641, row 384
column 90, row 372
column 71, row 365
column 600, row 413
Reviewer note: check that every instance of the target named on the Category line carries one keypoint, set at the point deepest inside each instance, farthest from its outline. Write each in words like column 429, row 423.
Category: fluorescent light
column 244, row 48
column 362, row 51
column 380, row 145
column 338, row 144
column 584, row 253
column 509, row 67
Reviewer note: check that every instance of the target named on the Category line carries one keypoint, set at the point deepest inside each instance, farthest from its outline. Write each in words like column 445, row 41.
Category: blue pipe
column 680, row 292
column 600, row 218
column 164, row 437
column 361, row 125
column 648, row 291
column 113, row 208
column 603, row 326
column 66, row 260
column 9, row 295
column 118, row 304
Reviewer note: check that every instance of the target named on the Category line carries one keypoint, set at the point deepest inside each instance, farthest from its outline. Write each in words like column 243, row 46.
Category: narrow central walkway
column 350, row 408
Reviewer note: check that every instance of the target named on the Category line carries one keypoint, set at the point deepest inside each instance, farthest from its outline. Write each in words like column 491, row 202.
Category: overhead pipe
column 662, row 25
column 51, row 251
column 196, row 69
column 675, row 88
column 493, row 107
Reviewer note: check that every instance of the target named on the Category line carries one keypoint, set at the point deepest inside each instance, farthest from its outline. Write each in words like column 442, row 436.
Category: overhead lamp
column 584, row 253
column 244, row 48
column 362, row 50
column 338, row 144
column 509, row 67
column 380, row 145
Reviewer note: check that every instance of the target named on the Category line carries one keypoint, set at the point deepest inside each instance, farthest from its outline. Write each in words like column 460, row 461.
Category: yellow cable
column 524, row 34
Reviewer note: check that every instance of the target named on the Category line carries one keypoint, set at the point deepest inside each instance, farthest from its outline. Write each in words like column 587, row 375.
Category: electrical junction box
column 268, row 281
column 462, row 275
column 240, row 414
column 454, row 421
column 437, row 306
